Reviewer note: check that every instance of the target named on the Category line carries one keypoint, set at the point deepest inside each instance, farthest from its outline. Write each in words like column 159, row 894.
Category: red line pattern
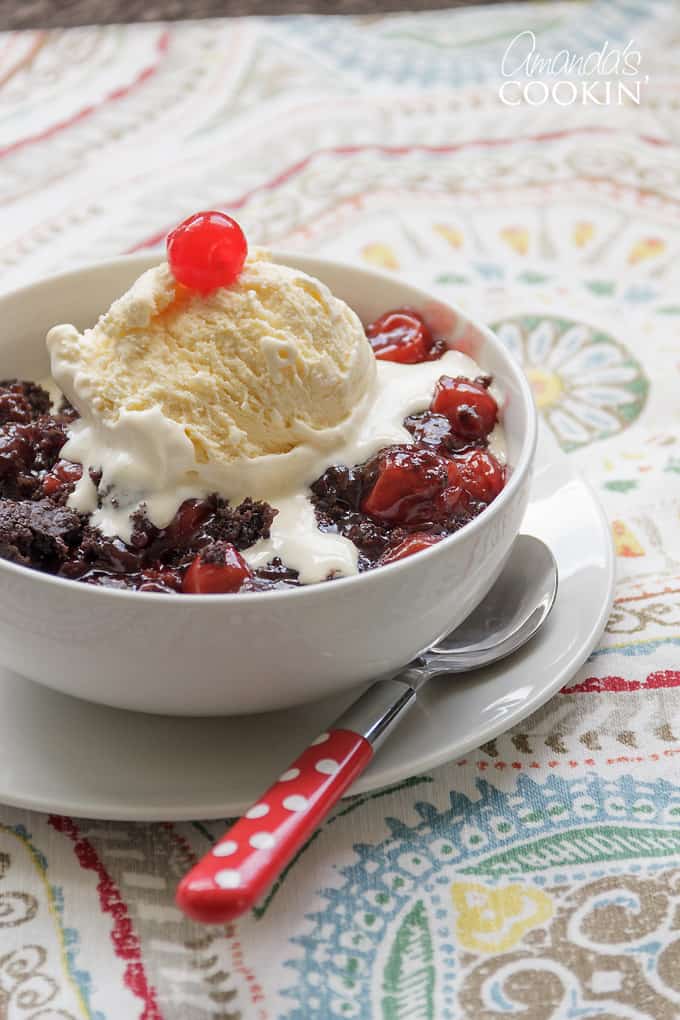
column 125, row 940
column 386, row 150
column 87, row 111
column 661, row 678
column 190, row 857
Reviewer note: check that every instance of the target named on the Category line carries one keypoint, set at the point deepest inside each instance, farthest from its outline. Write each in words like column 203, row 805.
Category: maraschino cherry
column 206, row 251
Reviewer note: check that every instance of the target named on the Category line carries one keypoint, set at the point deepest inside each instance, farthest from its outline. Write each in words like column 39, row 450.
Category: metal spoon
column 510, row 614
column 247, row 860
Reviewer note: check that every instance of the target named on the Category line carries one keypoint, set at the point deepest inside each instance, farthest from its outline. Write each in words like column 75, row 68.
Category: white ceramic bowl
column 225, row 654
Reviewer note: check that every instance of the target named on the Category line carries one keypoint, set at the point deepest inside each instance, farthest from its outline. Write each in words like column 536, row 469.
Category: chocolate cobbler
column 403, row 500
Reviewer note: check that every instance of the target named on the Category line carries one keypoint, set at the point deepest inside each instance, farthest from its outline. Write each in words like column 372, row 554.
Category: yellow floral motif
column 625, row 542
column 517, row 238
column 547, row 386
column 380, row 255
column 647, row 248
column 582, row 233
column 495, row 920
column 451, row 234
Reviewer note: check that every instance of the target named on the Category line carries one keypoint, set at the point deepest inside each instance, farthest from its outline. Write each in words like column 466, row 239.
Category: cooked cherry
column 400, row 335
column 468, row 405
column 414, row 543
column 220, row 569
column 436, row 431
column 64, row 473
column 450, row 497
column 481, row 476
column 408, row 485
column 181, row 530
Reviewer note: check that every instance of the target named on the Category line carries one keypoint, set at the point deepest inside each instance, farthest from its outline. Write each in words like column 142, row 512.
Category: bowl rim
column 517, row 479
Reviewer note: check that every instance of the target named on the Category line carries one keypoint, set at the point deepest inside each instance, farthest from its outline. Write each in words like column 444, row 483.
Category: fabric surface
column 540, row 877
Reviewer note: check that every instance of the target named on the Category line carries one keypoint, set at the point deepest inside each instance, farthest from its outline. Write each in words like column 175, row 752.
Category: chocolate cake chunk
column 27, row 450
column 49, row 437
column 13, row 407
column 36, row 395
column 337, row 496
column 17, row 456
column 217, row 553
column 108, row 553
column 38, row 533
column 339, row 489
column 242, row 525
column 22, row 401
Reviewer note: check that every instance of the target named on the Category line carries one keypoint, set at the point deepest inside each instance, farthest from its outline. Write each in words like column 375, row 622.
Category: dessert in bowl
column 265, row 505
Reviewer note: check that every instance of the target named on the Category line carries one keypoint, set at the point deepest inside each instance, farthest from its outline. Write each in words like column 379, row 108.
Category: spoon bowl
column 506, row 619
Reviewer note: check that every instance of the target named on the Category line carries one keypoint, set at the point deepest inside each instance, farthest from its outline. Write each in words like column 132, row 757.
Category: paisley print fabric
column 539, row 877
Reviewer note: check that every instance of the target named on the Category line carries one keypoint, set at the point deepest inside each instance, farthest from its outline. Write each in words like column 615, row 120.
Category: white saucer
column 63, row 755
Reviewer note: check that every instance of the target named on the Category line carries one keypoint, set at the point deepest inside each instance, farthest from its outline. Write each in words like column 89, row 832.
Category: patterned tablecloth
column 540, row 877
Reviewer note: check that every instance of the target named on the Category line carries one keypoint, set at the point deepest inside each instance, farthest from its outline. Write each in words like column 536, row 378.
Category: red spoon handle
column 241, row 867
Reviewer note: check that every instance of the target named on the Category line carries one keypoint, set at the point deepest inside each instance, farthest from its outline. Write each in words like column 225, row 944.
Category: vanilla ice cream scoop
column 250, row 369
column 236, row 391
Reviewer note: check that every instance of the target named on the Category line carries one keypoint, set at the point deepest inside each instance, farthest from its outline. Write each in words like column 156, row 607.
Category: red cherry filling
column 207, row 251
column 162, row 579
column 400, row 335
column 63, row 473
column 413, row 486
column 481, row 476
column 179, row 533
column 468, row 405
column 218, row 570
column 414, row 543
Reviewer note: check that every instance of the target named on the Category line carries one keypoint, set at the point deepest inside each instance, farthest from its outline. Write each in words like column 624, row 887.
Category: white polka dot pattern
column 225, row 849
column 296, row 803
column 257, row 811
column 264, row 840
column 228, row 878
